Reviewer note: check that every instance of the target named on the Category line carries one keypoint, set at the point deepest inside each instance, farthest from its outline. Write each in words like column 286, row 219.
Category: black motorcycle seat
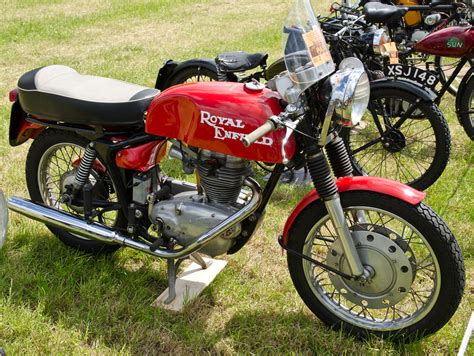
column 375, row 12
column 60, row 93
column 231, row 62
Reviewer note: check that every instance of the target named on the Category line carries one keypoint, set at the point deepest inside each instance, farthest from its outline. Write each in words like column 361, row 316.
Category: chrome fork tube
column 325, row 184
column 336, row 214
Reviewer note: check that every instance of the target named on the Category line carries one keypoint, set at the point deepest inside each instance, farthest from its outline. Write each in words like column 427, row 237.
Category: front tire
column 50, row 162
column 404, row 244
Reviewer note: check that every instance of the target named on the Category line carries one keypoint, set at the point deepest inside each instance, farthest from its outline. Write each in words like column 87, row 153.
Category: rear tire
column 44, row 145
column 338, row 306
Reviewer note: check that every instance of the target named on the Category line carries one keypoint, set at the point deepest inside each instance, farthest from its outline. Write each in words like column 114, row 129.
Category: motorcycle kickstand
column 172, row 272
column 197, row 258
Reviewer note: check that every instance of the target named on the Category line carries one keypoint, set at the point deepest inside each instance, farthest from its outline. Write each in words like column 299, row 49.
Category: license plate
column 415, row 74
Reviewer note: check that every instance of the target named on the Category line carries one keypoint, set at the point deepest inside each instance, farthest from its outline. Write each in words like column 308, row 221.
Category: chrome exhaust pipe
column 96, row 231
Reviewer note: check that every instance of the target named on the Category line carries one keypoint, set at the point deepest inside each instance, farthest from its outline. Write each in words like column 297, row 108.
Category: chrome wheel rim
column 401, row 311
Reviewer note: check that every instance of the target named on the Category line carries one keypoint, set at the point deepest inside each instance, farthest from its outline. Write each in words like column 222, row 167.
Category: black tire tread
column 445, row 246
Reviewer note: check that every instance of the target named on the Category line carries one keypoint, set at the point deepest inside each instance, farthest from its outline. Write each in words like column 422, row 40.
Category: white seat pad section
column 65, row 81
column 60, row 93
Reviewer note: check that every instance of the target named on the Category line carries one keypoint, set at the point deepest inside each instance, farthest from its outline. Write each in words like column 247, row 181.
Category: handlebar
column 261, row 131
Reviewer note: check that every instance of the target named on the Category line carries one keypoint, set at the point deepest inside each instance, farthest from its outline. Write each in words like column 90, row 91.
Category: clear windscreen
column 307, row 55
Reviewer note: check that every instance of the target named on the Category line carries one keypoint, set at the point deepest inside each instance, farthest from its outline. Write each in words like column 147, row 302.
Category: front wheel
column 417, row 270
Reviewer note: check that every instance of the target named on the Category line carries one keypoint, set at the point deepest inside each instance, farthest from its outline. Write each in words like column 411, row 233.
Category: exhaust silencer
column 96, row 231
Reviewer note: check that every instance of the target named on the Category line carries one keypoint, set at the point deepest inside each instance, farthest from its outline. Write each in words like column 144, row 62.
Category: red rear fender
column 372, row 184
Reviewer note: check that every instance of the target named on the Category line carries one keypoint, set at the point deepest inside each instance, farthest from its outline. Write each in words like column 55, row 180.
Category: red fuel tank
column 216, row 115
column 454, row 41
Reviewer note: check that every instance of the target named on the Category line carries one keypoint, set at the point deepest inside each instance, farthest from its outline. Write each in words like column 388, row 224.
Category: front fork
column 325, row 184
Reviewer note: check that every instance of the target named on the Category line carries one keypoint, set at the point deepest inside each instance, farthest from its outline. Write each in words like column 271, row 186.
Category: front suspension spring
column 85, row 166
column 321, row 175
column 339, row 158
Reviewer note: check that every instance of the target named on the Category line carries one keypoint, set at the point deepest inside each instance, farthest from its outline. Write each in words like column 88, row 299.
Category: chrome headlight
column 350, row 91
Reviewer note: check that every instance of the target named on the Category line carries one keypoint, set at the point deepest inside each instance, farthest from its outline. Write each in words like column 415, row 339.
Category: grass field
column 55, row 300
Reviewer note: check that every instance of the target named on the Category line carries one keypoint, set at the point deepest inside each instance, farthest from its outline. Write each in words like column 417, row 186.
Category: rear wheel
column 414, row 150
column 193, row 74
column 51, row 165
column 418, row 271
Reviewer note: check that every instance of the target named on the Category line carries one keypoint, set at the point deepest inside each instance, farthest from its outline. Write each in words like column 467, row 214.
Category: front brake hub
column 394, row 141
column 390, row 265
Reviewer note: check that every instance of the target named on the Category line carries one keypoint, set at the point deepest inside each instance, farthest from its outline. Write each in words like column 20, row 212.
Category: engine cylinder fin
column 222, row 176
column 222, row 185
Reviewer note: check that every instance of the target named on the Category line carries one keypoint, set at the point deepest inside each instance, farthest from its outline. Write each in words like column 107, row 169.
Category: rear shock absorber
column 85, row 166
column 339, row 158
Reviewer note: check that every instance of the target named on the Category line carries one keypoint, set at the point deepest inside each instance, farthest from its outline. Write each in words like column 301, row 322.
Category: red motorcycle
column 364, row 253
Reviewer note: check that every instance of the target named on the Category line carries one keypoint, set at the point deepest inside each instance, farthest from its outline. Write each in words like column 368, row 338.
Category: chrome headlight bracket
column 349, row 97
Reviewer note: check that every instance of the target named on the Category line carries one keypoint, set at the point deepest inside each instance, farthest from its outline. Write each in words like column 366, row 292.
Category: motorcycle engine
column 187, row 215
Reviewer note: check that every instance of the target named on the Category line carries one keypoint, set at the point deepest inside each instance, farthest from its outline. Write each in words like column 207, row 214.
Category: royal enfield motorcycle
column 365, row 254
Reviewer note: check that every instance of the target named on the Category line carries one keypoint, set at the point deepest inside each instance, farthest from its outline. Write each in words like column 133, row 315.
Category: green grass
column 56, row 300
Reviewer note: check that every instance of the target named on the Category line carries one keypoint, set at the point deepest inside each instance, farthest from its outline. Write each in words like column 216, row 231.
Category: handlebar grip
column 258, row 133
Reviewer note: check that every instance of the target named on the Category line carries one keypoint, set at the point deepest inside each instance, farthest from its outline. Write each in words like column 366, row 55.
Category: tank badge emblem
column 454, row 42
column 221, row 127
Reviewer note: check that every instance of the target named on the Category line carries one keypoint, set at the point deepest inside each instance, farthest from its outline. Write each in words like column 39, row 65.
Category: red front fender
column 373, row 184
